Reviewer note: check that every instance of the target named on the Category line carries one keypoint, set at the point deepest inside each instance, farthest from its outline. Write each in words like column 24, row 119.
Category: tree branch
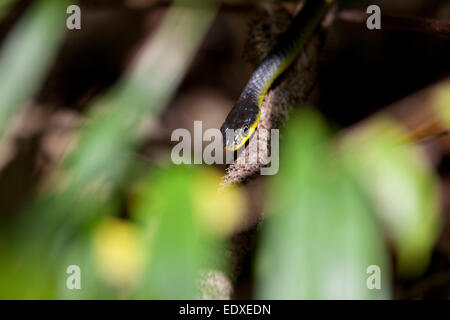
column 412, row 24
column 424, row 115
column 294, row 87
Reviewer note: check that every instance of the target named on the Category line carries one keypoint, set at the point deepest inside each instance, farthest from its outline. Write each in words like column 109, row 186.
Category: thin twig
column 422, row 115
column 412, row 24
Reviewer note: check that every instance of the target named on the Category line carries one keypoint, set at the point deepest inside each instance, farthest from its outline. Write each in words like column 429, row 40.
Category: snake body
column 243, row 119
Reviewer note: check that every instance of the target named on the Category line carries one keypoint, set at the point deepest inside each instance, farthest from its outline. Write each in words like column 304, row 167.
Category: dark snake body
column 244, row 117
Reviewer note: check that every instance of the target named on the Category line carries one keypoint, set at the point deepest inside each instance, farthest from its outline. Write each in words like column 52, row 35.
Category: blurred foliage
column 179, row 231
column 111, row 132
column 328, row 209
column 321, row 235
column 403, row 189
column 81, row 193
column 441, row 102
column 27, row 53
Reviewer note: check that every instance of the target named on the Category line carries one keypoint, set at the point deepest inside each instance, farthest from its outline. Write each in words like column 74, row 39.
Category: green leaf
column 320, row 236
column 27, row 53
column 178, row 246
column 403, row 190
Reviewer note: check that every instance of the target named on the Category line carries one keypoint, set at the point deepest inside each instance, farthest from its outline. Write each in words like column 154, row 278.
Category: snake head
column 239, row 126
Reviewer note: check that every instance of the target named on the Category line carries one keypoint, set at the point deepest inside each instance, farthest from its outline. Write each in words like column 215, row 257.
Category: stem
column 412, row 24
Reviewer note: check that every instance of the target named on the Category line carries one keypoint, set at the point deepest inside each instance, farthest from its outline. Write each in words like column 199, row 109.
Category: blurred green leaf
column 27, row 53
column 319, row 237
column 403, row 189
column 178, row 247
column 81, row 254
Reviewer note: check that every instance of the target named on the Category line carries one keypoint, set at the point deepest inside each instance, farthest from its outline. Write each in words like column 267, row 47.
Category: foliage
column 328, row 209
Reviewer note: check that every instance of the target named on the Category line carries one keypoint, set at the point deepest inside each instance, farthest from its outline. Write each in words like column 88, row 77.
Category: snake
column 243, row 119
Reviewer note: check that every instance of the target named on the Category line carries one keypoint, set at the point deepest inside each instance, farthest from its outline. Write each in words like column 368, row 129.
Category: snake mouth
column 233, row 139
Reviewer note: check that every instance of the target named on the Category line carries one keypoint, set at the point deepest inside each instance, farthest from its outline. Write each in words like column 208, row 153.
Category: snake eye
column 245, row 131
